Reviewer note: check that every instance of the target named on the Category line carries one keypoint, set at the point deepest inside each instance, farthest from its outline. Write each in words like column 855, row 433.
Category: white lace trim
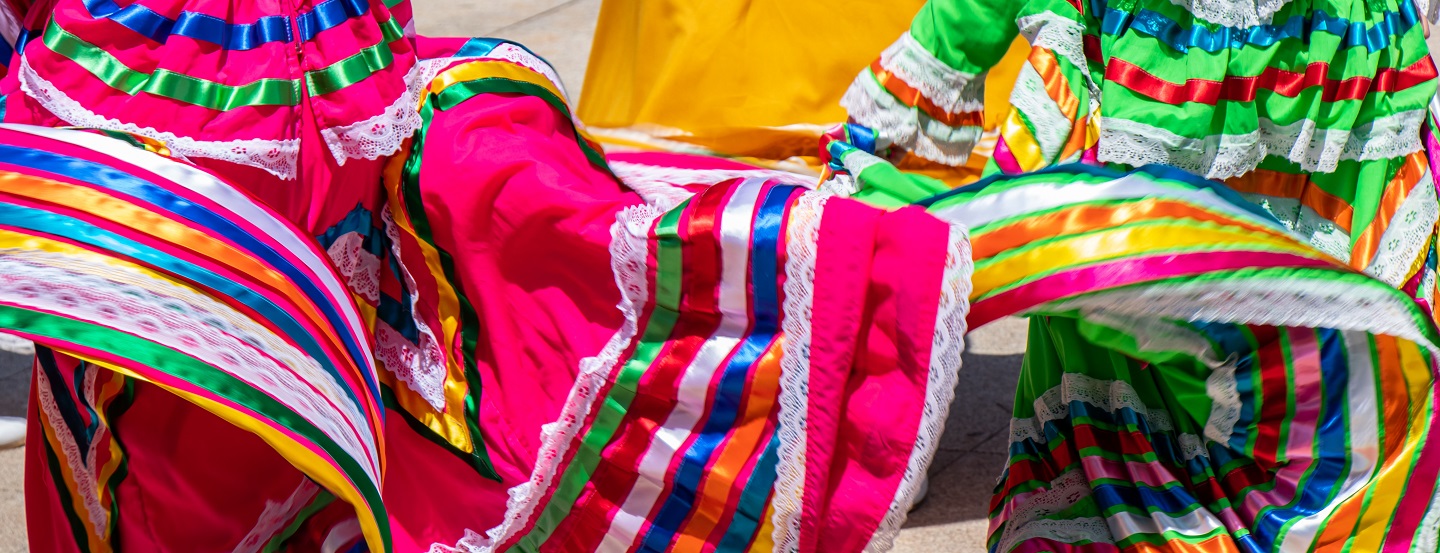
column 1192, row 447
column 277, row 157
column 871, row 105
column 802, row 235
column 1225, row 404
column 422, row 367
column 384, row 133
column 1052, row 127
column 1109, row 395
column 945, row 358
column 629, row 250
column 183, row 319
column 662, row 186
column 1408, row 235
column 276, row 515
column 85, row 481
column 1225, row 155
column 1031, row 520
column 1262, row 301
column 1233, row 13
column 948, row 88
column 1061, row 35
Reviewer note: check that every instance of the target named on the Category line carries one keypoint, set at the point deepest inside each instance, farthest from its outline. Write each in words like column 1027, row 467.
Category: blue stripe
column 751, row 510
column 477, row 47
column 328, row 15
column 1332, row 457
column 198, row 26
column 1353, row 34
column 117, row 181
column 731, row 390
column 1175, row 500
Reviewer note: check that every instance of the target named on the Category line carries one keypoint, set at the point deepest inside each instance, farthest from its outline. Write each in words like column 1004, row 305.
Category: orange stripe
column 167, row 230
column 718, row 491
column 1056, row 85
column 993, row 241
column 1216, row 544
column 910, row 96
column 1295, row 186
column 1398, row 404
column 1368, row 243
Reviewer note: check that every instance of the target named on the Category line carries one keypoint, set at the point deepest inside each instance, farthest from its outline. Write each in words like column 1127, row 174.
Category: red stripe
column 1285, row 83
column 615, row 475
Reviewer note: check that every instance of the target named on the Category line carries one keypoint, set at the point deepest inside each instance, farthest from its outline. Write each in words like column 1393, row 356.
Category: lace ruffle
column 1031, row 520
column 946, row 348
column 803, row 233
column 1225, row 155
column 1241, row 14
column 628, row 250
column 871, row 105
column 950, row 89
column 277, row 157
column 1408, row 235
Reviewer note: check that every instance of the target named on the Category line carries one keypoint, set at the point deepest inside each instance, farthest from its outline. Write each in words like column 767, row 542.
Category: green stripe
column 191, row 370
column 351, row 70
column 455, row 94
column 613, row 407
column 414, row 201
column 168, row 84
column 320, row 501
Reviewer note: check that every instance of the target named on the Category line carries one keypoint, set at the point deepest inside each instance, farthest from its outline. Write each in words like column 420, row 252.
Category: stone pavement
column 972, row 449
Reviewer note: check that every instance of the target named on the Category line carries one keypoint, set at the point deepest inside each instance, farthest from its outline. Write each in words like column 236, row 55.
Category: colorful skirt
column 450, row 372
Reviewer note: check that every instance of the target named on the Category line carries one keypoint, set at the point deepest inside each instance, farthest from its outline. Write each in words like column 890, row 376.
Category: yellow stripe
column 1387, row 489
column 319, row 469
column 765, row 538
column 1115, row 245
column 448, row 424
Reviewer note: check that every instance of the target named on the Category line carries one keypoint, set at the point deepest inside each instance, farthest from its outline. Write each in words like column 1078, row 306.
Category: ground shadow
column 14, row 382
column 972, row 448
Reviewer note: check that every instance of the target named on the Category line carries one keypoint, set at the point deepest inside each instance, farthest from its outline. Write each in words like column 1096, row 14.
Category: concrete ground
column 972, row 450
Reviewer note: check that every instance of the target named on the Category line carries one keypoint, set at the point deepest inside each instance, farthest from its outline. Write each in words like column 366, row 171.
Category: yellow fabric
column 758, row 79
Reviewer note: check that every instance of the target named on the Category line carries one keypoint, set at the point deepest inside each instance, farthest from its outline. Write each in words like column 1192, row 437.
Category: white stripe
column 736, row 224
column 1193, row 524
column 1047, row 195
column 228, row 197
column 1362, row 423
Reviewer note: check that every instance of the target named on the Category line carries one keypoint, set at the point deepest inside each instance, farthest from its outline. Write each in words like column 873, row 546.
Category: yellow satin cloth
column 755, row 80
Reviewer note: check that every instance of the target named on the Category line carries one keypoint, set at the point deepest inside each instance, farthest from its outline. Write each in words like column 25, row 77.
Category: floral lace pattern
column 277, row 157
column 1223, row 156
column 1408, row 235
column 1031, row 520
column 950, row 89
column 871, row 105
column 1233, row 13
column 802, row 235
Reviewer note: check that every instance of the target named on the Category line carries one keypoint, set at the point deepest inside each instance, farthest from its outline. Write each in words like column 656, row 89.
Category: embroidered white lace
column 950, row 89
column 802, row 235
column 1233, row 13
column 277, row 157
column 1029, row 520
column 1224, row 156
column 1406, row 239
column 907, row 127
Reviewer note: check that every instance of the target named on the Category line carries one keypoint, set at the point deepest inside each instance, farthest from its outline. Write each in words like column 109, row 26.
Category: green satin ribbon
column 350, row 70
column 169, row 84
column 56, row 331
column 218, row 96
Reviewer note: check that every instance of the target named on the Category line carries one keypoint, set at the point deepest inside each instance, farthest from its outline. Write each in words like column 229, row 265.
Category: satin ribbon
column 912, row 97
column 351, row 70
column 169, row 84
column 1285, row 83
column 193, row 25
column 1353, row 34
